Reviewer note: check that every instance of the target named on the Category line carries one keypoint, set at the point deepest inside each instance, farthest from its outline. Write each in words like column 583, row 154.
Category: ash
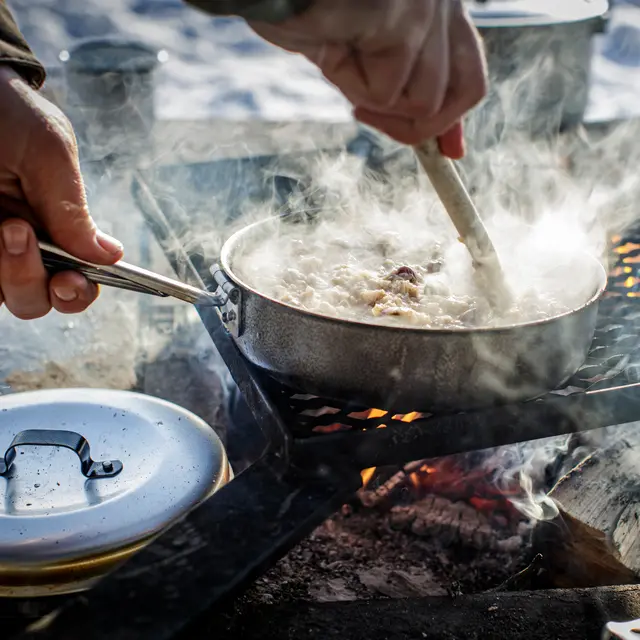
column 369, row 554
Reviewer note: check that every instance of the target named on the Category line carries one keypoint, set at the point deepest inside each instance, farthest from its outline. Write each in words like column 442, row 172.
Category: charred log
column 595, row 539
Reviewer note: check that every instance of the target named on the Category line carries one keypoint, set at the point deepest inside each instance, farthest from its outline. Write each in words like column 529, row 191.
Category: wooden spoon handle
column 456, row 200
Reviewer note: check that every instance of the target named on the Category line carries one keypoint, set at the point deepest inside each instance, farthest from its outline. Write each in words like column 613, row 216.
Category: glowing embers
column 454, row 500
column 366, row 419
column 624, row 278
column 460, row 478
column 456, row 479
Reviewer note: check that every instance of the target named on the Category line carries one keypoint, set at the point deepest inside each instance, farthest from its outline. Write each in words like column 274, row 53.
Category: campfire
column 438, row 523
column 345, row 503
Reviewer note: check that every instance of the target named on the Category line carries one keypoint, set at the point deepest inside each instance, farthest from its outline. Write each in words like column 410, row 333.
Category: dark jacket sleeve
column 259, row 10
column 15, row 51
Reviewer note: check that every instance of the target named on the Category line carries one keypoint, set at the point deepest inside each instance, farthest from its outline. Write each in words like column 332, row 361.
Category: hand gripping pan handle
column 121, row 275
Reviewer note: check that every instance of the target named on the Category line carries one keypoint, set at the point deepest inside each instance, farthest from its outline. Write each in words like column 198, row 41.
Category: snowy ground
column 219, row 68
column 615, row 91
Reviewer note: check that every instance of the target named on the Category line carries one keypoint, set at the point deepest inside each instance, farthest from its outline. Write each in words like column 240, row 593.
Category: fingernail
column 66, row 294
column 109, row 244
column 15, row 238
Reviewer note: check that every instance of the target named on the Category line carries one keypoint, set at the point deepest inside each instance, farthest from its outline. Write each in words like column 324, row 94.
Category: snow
column 615, row 90
column 217, row 67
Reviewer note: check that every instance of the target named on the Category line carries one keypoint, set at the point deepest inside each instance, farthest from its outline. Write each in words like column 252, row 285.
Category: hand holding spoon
column 456, row 200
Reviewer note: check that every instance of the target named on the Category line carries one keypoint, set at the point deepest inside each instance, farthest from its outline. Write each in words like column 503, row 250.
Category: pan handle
column 120, row 275
column 58, row 438
column 230, row 312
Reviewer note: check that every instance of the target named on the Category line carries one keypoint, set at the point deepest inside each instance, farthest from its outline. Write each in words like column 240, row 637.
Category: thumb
column 52, row 184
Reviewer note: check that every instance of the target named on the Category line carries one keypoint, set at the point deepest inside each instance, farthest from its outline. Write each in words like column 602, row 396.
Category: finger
column 468, row 79
column 23, row 278
column 71, row 292
column 467, row 87
column 53, row 186
column 427, row 84
column 384, row 74
column 409, row 131
column 451, row 142
column 340, row 67
column 400, row 128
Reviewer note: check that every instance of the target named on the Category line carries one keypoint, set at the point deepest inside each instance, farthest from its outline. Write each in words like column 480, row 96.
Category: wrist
column 10, row 75
column 7, row 72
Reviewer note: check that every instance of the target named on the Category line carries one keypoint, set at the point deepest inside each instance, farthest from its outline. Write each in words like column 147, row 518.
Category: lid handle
column 58, row 438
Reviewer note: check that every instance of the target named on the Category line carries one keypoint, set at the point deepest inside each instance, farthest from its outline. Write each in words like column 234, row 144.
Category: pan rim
column 225, row 260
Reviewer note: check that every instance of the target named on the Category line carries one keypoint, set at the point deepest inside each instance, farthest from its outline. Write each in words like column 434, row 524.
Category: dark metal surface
column 59, row 438
column 215, row 551
column 446, row 435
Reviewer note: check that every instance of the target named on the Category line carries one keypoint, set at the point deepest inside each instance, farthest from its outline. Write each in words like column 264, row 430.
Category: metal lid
column 504, row 13
column 112, row 53
column 145, row 463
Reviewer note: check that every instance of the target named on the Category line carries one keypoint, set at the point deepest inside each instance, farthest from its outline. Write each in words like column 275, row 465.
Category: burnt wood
column 543, row 615
column 594, row 539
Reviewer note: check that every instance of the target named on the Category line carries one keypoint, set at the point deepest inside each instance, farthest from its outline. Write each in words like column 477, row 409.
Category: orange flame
column 367, row 474
column 627, row 248
column 631, row 281
column 408, row 417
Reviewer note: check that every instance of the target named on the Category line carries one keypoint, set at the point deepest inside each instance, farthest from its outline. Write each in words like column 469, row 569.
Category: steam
column 545, row 201
column 520, row 472
column 363, row 222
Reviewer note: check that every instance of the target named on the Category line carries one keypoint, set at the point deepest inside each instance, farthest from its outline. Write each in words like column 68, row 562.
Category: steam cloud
column 545, row 201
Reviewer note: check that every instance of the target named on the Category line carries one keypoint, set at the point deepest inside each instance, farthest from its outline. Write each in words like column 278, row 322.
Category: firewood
column 448, row 522
column 381, row 496
column 595, row 538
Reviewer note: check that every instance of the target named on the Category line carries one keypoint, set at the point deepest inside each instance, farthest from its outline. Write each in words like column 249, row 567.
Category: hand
column 39, row 165
column 411, row 68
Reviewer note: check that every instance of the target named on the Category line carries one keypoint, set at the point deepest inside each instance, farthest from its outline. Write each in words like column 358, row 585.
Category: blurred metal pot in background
column 539, row 56
column 110, row 96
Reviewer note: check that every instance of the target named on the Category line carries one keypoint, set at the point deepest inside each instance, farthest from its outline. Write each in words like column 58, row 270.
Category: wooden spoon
column 456, row 200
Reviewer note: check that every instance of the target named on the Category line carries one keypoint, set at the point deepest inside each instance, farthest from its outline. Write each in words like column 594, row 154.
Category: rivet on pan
column 107, row 465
